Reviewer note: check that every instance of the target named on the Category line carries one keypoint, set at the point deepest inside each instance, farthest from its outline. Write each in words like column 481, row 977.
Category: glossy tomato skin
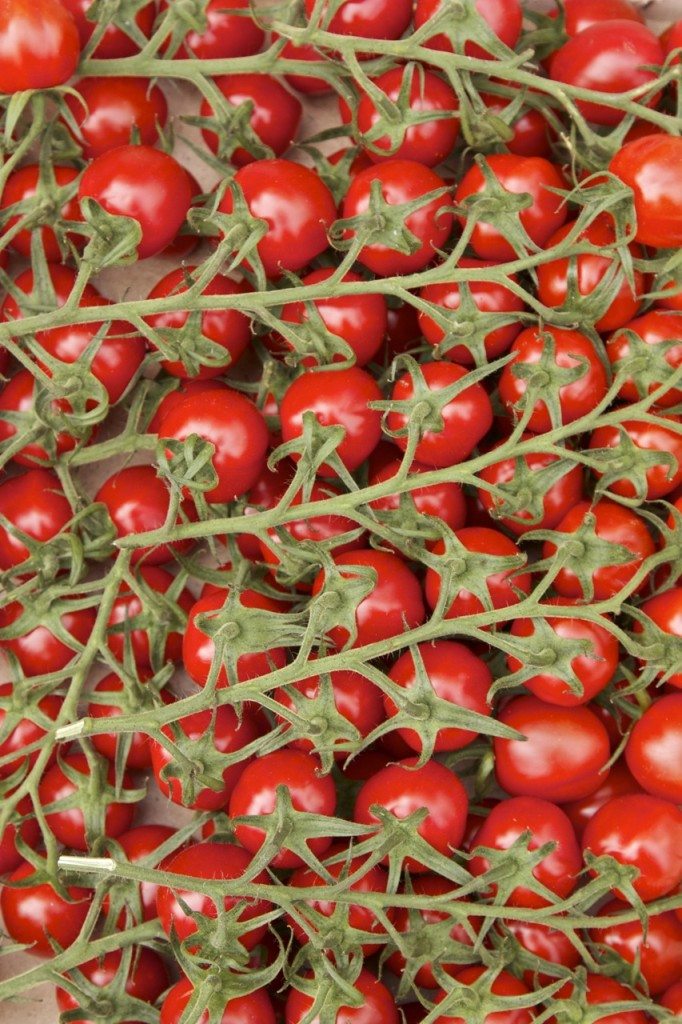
column 39, row 650
column 571, row 349
column 444, row 501
column 297, row 206
column 654, row 328
column 209, row 860
column 128, row 606
column 144, row 184
column 488, row 297
column 564, row 755
column 173, row 399
column 21, row 186
column 601, row 990
column 393, row 605
column 665, row 611
column 504, row 17
column 27, row 829
column 229, row 33
column 466, row 418
column 115, row 42
column 18, row 396
column 672, row 999
column 402, row 789
column 548, row 943
column 531, row 134
column 504, row 984
column 139, row 844
column 231, row 422
column 370, row 19
column 25, row 731
column 654, row 748
column 274, row 119
column 620, row 782
column 108, row 110
column 650, row 166
column 377, row 1007
column 36, row 914
column 663, row 477
column 39, row 46
column 253, row 1008
column 660, row 953
column 532, row 175
column 147, row 979
column 581, row 14
column 256, row 793
column 35, row 504
column 336, row 397
column 402, row 181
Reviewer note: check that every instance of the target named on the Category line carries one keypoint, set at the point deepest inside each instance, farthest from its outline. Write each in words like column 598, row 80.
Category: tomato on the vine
column 376, row 1005
column 39, row 917
column 109, row 112
column 273, row 118
column 39, row 46
column 34, row 503
column 504, row 18
column 147, row 978
column 253, row 1008
column 649, row 166
column 22, row 186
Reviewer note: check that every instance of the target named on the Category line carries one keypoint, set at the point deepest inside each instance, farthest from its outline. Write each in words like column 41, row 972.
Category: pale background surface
column 135, row 282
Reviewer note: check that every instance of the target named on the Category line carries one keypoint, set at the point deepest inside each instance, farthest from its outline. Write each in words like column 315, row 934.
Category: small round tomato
column 18, row 396
column 531, row 134
column 234, row 426
column 427, row 227
column 654, row 748
column 272, row 121
column 619, row 782
column 147, row 979
column 505, row 588
column 108, row 112
column 146, row 624
column 563, row 755
column 443, row 501
column 672, row 1000
column 547, row 943
column 580, row 14
column 179, row 908
column 448, row 430
column 650, row 167
column 39, row 45
column 653, row 328
column 24, row 825
column 456, row 675
column 544, row 823
column 531, row 175
column 612, row 524
column 137, row 499
column 256, row 793
column 253, row 1008
column 589, row 270
column 296, row 205
column 144, row 184
column 369, row 19
column 138, row 754
column 665, row 611
column 229, row 32
column 402, row 789
column 37, row 916
column 609, row 57
column 139, row 846
column 19, row 733
column 555, row 349
column 40, row 651
column 657, row 478
column 22, row 186
column 601, row 990
column 115, row 41
column 265, row 494
column 503, row 17
column 498, row 304
column 182, row 390
column 658, row 954
column 394, row 603
column 503, row 984
column 336, row 398
column 309, row 85
column 376, row 1005
column 35, row 504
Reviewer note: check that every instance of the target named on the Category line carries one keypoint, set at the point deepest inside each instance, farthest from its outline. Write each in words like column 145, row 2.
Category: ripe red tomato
column 613, row 524
column 653, row 328
column 256, row 793
column 173, row 399
column 650, row 167
column 265, row 494
column 146, row 624
column 36, row 915
column 144, row 184
column 336, row 398
column 444, row 501
column 563, row 756
column 377, row 1005
column 253, row 1008
column 451, row 429
column 179, row 908
column 581, row 14
column 297, row 207
column 38, row 650
column 147, row 979
column 504, row 18
column 18, row 396
column 309, row 85
column 232, row 423
column 544, row 822
column 558, row 347
column 22, row 186
column 498, row 304
column 402, row 789
column 35, row 504
column 137, row 500
column 672, row 999
column 664, row 612
column 115, row 41
column 654, row 748
column 369, row 19
column 24, row 825
column 532, row 176
column 456, row 675
column 671, row 39
column 271, row 114
column 503, row 984
column 20, row 733
column 401, row 182
column 590, row 269
column 229, row 32
column 531, row 134
column 139, row 845
column 659, row 954
column 619, row 782
column 505, row 588
column 660, row 478
column 39, row 45
column 108, row 111
column 138, row 754
column 601, row 990
column 393, row 605
column 540, row 940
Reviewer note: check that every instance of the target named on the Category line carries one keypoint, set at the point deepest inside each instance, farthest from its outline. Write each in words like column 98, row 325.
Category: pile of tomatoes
column 341, row 511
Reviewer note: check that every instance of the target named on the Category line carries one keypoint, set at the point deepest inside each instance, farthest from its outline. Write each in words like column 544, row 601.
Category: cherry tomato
column 503, row 17
column 147, row 979
column 138, row 753
column 265, row 493
column 309, row 85
column 108, row 111
column 533, row 176
column 130, row 622
column 18, row 397
column 256, row 793
column 547, row 943
column 653, row 328
column 253, row 1008
column 581, row 14
column 39, row 46
column 19, row 733
column 229, row 32
column 115, row 41
column 660, row 478
column 444, row 501
column 654, row 748
column 672, row 999
column 22, row 186
column 139, row 846
column 37, row 916
column 38, row 650
column 563, row 756
column 182, row 390
column 601, row 990
column 274, row 115
column 504, row 984
column 531, row 134
column 659, row 954
column 377, row 1005
column 369, row 19
column 664, row 612
column 401, row 182
column 35, row 504
column 650, row 167
column 25, row 825
column 619, row 782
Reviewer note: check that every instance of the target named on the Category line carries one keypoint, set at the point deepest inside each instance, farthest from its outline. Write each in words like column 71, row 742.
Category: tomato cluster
column 340, row 510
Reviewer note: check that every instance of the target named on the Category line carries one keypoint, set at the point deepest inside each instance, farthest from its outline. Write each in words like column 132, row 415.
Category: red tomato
column 672, row 999
column 393, row 604
column 336, row 398
column 38, row 650
column 19, row 733
column 36, row 915
column 232, row 423
column 253, row 1008
column 18, row 396
column 540, row 940
column 613, row 524
column 654, row 748
column 39, row 46
column 402, row 789
column 427, row 227
column 377, row 1005
column 503, row 17
column 657, row 479
column 654, row 328
column 498, row 304
column 115, row 41
column 590, row 270
column 531, row 134
column 22, row 186
column 309, row 85
column 504, row 984
column 532, row 176
column 297, row 207
column 563, row 755
column 619, row 783
column 456, row 675
column 544, row 822
column 139, row 845
column 182, row 390
column 450, row 429
column 261, row 109
column 609, row 57
column 144, row 184
column 27, row 828
column 443, row 501
column 256, row 794
column 265, row 493
column 138, row 754
column 149, row 622
column 575, row 354
column 369, row 19
column 581, row 14
column 110, row 111
column 650, row 167
column 672, row 39
column 659, row 954
column 229, row 32
column 147, row 979
column 35, row 504
column 664, row 610
column 505, row 588
column 179, row 908
column 601, row 990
